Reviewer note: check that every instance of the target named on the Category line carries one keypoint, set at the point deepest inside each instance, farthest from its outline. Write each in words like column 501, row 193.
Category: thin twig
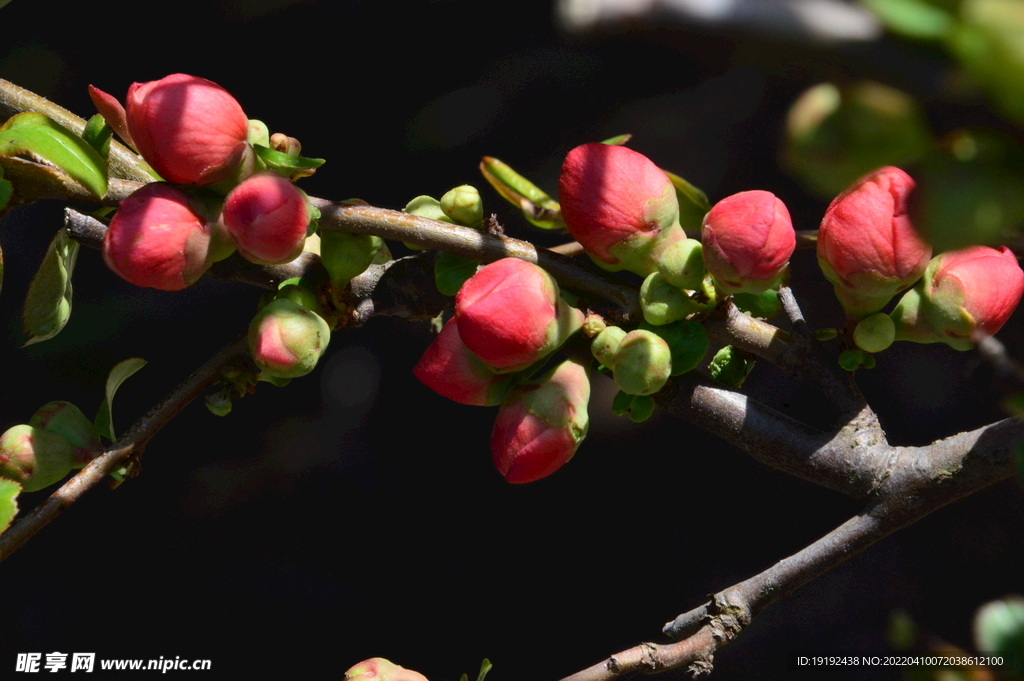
column 129, row 444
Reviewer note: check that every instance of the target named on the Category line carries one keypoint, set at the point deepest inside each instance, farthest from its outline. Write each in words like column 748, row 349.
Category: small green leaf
column 762, row 305
column 37, row 135
column 826, row 334
column 731, row 366
column 618, row 140
column 641, row 409
column 6, row 191
column 451, row 272
column 854, row 358
column 485, row 667
column 48, row 302
column 9, row 490
column 293, row 167
column 537, row 207
column 687, row 340
column 912, row 18
column 621, row 403
column 118, row 375
column 97, row 133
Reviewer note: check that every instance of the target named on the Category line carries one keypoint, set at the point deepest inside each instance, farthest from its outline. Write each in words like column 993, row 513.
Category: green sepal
column 97, row 133
column 36, row 135
column 9, row 491
column 641, row 408
column 119, row 374
column 618, row 140
column 731, row 366
column 537, row 207
column 762, row 305
column 687, row 340
column 451, row 271
column 292, row 167
column 48, row 301
column 621, row 403
column 912, row 18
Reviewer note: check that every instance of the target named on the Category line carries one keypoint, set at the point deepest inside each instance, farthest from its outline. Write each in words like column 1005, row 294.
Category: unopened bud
column 643, row 363
column 464, row 206
column 451, row 370
column 682, row 264
column 606, row 344
column 286, row 341
column 379, row 669
column 35, row 458
column 267, row 217
column 67, row 420
column 663, row 303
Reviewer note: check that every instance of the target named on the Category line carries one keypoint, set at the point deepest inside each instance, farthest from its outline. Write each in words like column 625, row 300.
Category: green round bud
column 346, row 256
column 643, row 363
column 663, row 303
column 682, row 264
column 606, row 345
column 301, row 296
column 464, row 206
column 287, row 340
column 35, row 458
column 875, row 332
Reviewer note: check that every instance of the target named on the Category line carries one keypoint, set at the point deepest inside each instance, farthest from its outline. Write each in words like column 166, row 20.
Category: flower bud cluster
column 57, row 439
column 194, row 134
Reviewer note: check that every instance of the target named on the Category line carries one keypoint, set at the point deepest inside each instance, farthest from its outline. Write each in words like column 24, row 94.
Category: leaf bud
column 464, row 206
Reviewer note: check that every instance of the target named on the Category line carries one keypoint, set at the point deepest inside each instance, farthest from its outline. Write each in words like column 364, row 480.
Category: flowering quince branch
column 750, row 238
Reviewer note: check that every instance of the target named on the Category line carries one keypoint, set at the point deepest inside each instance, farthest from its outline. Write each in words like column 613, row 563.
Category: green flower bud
column 642, row 363
column 346, row 256
column 682, row 264
column 606, row 344
column 35, row 458
column 662, row 302
column 464, row 206
column 875, row 332
column 286, row 341
column 301, row 296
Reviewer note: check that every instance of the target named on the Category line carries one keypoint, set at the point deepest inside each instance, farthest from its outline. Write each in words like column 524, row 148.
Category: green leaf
column 9, row 490
column 731, row 366
column 912, row 18
column 618, row 140
column 293, row 167
column 687, row 340
column 485, row 667
column 641, row 409
column 118, row 375
column 6, row 191
column 762, row 305
column 621, row 403
column 693, row 203
column 48, row 302
column 37, row 135
column 537, row 207
column 97, row 133
column 451, row 272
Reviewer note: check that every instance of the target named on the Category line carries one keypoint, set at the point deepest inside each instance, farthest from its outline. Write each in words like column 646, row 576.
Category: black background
column 355, row 513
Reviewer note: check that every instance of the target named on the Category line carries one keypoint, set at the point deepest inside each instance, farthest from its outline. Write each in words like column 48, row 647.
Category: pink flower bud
column 451, row 370
column 267, row 217
column 866, row 245
column 155, row 239
column 510, row 314
column 619, row 205
column 379, row 669
column 748, row 239
column 972, row 291
column 541, row 424
column 189, row 129
column 287, row 341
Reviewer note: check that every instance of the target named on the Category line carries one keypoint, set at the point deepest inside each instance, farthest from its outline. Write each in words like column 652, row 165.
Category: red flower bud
column 510, row 314
column 619, row 205
column 379, row 669
column 748, row 239
column 866, row 245
column 451, row 370
column 189, row 129
column 541, row 424
column 267, row 216
column 155, row 239
column 974, row 290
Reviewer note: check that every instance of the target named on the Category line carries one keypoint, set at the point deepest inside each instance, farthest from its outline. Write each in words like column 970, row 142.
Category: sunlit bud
column 156, row 239
column 682, row 264
column 346, row 256
column 541, row 424
column 451, row 370
column 963, row 294
column 620, row 206
column 511, row 315
column 643, row 363
column 464, row 206
column 606, row 344
column 867, row 247
column 113, row 113
column 259, row 133
column 189, row 129
column 875, row 332
column 379, row 669
column 267, row 217
column 35, row 458
column 663, row 303
column 67, row 420
column 285, row 144
column 286, row 340
column 748, row 239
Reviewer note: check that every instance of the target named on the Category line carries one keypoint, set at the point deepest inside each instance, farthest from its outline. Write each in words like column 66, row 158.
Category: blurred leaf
column 6, row 192
column 989, row 42
column 969, row 191
column 618, row 140
column 693, row 203
column 835, row 136
column 97, row 133
column 118, row 375
column 9, row 490
column 999, row 630
column 48, row 301
column 485, row 667
column 451, row 272
column 912, row 18
column 537, row 207
column 38, row 136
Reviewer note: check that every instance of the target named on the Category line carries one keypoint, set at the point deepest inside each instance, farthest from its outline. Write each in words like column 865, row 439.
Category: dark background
column 355, row 513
